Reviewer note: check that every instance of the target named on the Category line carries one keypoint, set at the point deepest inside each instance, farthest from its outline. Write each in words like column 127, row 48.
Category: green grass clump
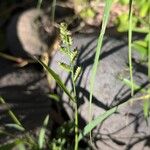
column 60, row 141
column 98, row 50
column 66, row 43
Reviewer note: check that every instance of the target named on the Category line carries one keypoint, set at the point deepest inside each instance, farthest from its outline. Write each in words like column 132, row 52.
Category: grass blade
column 98, row 50
column 57, row 79
column 12, row 115
column 135, row 86
column 130, row 47
column 149, row 43
column 146, row 106
column 15, row 126
column 54, row 97
column 98, row 120
column 88, row 128
column 42, row 133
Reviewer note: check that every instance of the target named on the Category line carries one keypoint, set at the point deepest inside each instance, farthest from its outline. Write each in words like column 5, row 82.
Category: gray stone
column 126, row 129
column 30, row 33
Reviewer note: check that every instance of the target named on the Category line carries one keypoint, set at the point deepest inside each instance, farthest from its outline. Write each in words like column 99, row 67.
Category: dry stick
column 12, row 58
column 16, row 59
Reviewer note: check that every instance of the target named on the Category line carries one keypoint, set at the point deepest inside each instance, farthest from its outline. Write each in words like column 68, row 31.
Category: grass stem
column 76, row 110
column 11, row 114
column 97, row 55
column 130, row 48
column 149, row 44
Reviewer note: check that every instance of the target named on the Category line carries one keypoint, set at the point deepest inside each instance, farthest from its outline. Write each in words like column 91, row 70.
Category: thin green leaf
column 15, row 126
column 135, row 86
column 146, row 108
column 142, row 43
column 97, row 121
column 148, row 40
column 41, row 139
column 130, row 46
column 57, row 79
column 54, row 97
column 140, row 30
column 140, row 49
column 98, row 50
column 11, row 114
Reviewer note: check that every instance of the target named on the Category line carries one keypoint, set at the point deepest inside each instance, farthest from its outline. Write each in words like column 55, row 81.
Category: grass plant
column 74, row 71
column 97, row 54
column 130, row 46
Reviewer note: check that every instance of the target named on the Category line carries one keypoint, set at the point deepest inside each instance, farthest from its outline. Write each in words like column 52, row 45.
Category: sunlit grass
column 106, row 13
column 40, row 143
column 130, row 47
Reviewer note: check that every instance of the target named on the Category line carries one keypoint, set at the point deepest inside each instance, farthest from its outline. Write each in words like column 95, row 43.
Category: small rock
column 30, row 33
column 124, row 128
